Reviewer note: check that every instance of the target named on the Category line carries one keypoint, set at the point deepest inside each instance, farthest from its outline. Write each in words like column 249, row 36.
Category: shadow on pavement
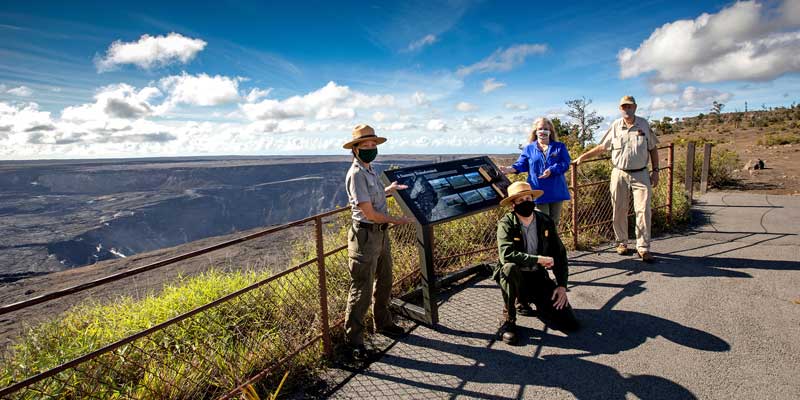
column 604, row 331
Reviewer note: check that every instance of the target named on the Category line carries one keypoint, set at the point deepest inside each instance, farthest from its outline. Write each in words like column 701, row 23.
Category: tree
column 586, row 122
column 716, row 109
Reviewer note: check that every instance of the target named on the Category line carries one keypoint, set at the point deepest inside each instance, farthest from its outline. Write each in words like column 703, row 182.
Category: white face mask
column 543, row 134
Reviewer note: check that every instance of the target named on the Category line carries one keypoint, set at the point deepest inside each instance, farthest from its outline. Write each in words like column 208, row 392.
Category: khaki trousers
column 553, row 210
column 370, row 262
column 623, row 183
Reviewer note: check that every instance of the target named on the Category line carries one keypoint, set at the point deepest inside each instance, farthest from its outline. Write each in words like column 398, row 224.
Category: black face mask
column 367, row 155
column 525, row 209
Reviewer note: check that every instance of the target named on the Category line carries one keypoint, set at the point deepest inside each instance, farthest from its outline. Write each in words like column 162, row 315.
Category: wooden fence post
column 706, row 166
column 690, row 170
column 670, row 166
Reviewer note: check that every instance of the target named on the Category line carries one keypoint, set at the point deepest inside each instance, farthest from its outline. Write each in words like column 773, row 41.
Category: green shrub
column 777, row 139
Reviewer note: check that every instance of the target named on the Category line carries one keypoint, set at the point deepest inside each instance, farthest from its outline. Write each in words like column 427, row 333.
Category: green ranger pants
column 370, row 262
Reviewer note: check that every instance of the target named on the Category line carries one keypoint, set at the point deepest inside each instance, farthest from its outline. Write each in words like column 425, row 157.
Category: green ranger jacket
column 511, row 246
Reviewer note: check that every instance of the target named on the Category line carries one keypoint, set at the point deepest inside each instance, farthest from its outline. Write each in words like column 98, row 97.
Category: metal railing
column 287, row 321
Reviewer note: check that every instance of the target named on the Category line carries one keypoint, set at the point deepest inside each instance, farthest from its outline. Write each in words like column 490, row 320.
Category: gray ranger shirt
column 364, row 185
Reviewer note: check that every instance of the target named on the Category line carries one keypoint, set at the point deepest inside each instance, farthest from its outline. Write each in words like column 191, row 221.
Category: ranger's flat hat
column 627, row 100
column 519, row 189
column 361, row 133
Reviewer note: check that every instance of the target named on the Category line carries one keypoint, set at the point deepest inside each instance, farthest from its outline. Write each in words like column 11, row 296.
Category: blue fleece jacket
column 534, row 162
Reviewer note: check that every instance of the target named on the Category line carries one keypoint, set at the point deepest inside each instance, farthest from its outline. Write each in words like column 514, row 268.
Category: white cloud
column 329, row 102
column 198, row 90
column 23, row 118
column 427, row 40
column 121, row 101
column 436, row 125
column 150, row 52
column 664, row 88
column 503, row 59
column 491, row 85
column 744, row 41
column 691, row 99
column 398, row 126
column 257, row 94
column 515, row 107
column 420, row 99
column 21, row 91
column 466, row 107
column 379, row 116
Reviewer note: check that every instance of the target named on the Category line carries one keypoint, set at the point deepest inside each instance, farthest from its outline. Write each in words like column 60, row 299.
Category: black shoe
column 391, row 330
column 359, row 353
column 525, row 310
column 509, row 330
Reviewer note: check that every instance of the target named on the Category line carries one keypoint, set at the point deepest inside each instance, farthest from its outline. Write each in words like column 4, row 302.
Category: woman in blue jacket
column 545, row 160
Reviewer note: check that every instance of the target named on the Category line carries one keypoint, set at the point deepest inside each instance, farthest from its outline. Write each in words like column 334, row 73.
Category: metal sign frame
column 428, row 313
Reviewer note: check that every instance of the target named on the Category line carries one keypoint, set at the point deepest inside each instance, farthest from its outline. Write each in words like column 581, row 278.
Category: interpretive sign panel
column 440, row 192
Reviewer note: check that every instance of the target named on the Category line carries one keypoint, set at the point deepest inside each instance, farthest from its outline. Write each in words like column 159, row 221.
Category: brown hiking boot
column 646, row 256
column 622, row 249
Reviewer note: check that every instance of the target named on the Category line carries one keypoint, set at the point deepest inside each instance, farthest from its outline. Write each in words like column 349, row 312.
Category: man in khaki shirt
column 631, row 142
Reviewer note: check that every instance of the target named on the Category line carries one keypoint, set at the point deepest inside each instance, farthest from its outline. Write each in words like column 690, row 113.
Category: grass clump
column 777, row 139
column 199, row 357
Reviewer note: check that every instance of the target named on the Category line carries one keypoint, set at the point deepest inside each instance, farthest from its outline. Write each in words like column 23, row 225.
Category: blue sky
column 135, row 79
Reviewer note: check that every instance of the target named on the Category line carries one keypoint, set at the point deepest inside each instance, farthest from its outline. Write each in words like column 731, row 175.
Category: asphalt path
column 717, row 317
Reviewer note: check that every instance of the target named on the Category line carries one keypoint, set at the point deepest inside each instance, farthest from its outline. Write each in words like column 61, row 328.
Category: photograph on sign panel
column 471, row 197
column 487, row 193
column 474, row 177
column 458, row 181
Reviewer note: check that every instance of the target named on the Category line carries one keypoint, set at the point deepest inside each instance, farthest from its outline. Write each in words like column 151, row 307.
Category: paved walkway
column 716, row 318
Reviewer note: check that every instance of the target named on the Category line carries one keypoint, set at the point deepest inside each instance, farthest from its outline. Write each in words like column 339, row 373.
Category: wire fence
column 221, row 334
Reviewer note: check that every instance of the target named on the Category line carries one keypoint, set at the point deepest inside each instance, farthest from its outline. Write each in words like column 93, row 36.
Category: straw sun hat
column 362, row 133
column 519, row 189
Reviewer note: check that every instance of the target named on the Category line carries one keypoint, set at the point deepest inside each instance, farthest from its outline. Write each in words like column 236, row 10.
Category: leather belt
column 369, row 226
column 634, row 170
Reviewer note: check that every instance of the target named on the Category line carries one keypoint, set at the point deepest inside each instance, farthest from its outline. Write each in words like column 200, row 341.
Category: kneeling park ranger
column 370, row 258
column 529, row 246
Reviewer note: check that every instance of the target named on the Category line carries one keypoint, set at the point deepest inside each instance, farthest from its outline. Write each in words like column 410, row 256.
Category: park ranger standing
column 631, row 142
column 370, row 258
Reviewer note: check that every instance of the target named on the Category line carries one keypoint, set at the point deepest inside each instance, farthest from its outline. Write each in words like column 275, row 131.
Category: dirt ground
column 781, row 174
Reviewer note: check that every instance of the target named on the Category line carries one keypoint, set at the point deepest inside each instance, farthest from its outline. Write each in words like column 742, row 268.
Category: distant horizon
column 246, row 157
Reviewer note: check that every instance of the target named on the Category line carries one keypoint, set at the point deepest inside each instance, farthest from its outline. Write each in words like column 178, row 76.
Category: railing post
column 690, row 170
column 323, row 288
column 670, row 161
column 706, row 166
column 574, row 183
